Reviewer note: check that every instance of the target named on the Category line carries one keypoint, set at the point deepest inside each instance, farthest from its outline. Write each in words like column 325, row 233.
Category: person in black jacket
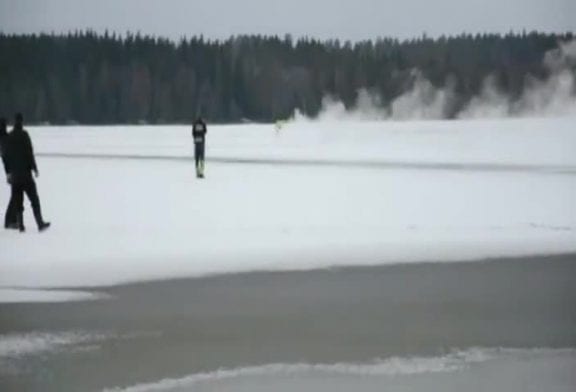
column 21, row 165
column 199, row 135
column 10, row 217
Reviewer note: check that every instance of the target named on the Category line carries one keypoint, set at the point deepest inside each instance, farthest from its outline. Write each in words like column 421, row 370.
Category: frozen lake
column 126, row 205
column 395, row 209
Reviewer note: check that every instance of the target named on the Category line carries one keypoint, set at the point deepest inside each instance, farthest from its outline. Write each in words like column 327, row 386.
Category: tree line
column 91, row 78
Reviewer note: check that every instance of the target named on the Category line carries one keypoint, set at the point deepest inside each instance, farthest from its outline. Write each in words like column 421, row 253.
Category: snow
column 505, row 141
column 387, row 193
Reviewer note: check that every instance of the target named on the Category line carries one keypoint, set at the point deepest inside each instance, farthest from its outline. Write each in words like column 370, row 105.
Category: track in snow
column 444, row 166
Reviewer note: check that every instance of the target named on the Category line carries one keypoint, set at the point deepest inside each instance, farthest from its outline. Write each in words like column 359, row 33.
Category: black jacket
column 199, row 131
column 21, row 161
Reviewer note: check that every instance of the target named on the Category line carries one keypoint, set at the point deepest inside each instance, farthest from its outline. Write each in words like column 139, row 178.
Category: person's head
column 18, row 121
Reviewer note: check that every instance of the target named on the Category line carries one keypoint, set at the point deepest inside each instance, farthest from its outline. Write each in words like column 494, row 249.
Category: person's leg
column 9, row 217
column 32, row 193
column 197, row 155
column 202, row 154
column 18, row 205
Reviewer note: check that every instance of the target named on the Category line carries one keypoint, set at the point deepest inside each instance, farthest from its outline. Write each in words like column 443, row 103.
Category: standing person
column 21, row 165
column 199, row 135
column 10, row 217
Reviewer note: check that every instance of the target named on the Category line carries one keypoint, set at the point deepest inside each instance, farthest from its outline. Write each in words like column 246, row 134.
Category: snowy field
column 125, row 204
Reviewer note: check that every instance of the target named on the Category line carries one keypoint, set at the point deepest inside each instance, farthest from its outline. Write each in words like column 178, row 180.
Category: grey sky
column 345, row 19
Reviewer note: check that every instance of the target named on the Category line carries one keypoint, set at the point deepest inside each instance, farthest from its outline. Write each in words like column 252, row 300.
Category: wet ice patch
column 15, row 295
column 27, row 344
column 395, row 366
column 459, row 369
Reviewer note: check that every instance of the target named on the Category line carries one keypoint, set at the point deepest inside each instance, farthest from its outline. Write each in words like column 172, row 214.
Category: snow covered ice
column 126, row 205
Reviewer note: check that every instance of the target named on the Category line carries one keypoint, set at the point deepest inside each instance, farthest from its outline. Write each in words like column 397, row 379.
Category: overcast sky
column 345, row 19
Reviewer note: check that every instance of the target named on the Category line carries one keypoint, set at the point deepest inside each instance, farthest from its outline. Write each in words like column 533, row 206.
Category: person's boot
column 40, row 222
column 20, row 222
column 11, row 217
column 10, row 222
column 200, row 169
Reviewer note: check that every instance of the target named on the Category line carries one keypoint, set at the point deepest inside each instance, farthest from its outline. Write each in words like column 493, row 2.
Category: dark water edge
column 175, row 328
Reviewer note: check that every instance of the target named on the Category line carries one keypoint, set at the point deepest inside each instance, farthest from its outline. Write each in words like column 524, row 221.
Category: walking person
column 10, row 217
column 199, row 135
column 21, row 165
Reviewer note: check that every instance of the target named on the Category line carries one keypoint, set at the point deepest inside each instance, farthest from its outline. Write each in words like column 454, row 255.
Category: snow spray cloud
column 368, row 107
column 554, row 96
column 421, row 101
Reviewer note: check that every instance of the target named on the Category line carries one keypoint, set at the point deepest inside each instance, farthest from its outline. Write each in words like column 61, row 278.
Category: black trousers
column 28, row 186
column 11, row 216
column 199, row 153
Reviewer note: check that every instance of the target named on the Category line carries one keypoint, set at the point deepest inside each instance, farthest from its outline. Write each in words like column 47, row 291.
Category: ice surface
column 507, row 141
column 418, row 191
column 26, row 344
column 476, row 369
column 15, row 295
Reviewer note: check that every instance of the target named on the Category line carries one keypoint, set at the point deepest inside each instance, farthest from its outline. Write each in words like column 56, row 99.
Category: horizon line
column 285, row 36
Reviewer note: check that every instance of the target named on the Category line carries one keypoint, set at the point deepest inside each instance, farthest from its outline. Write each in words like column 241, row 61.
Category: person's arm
column 5, row 160
column 30, row 152
column 4, row 155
